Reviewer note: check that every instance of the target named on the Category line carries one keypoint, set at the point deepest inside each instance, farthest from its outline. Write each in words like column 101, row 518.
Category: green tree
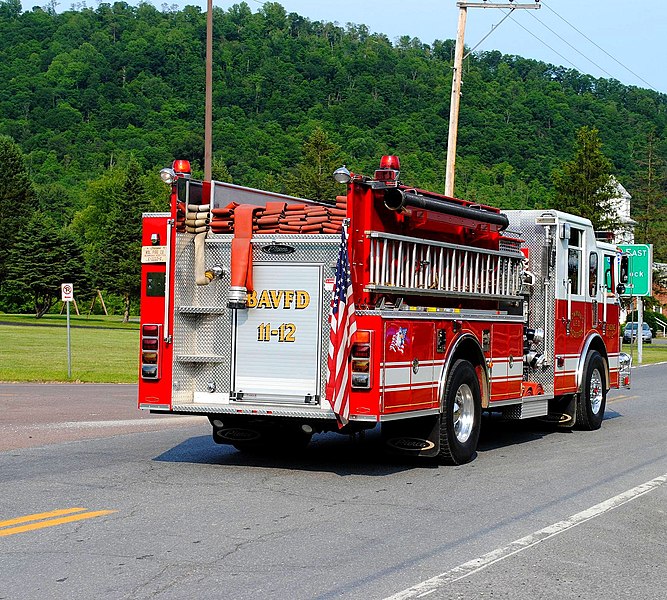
column 10, row 9
column 583, row 185
column 116, row 255
column 312, row 177
column 649, row 203
column 41, row 259
column 17, row 198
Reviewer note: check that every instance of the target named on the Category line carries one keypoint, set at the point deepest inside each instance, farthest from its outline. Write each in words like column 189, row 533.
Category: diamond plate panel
column 534, row 235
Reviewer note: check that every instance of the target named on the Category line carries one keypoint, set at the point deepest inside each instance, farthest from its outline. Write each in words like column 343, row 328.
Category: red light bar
column 181, row 166
column 390, row 161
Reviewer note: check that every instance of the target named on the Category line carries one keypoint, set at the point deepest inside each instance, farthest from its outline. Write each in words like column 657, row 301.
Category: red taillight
column 389, row 161
column 150, row 344
column 182, row 166
column 361, row 363
column 150, row 351
column 150, row 330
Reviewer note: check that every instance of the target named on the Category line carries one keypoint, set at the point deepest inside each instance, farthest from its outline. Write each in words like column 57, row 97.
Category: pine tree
column 313, row 176
column 650, row 199
column 583, row 185
column 17, row 198
column 117, row 260
column 41, row 259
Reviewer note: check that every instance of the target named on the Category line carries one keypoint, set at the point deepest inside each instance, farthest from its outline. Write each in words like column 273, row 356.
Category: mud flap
column 563, row 412
column 413, row 437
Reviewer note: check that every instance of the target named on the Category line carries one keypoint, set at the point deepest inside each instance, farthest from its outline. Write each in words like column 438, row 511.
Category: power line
column 598, row 46
column 493, row 28
column 509, row 14
column 547, row 45
column 562, row 39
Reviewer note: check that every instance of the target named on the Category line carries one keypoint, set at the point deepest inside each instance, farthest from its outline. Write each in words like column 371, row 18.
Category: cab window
column 574, row 260
column 593, row 274
column 609, row 273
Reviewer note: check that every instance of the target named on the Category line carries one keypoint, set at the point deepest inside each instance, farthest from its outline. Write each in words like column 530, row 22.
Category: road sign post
column 640, row 268
column 640, row 284
column 67, row 296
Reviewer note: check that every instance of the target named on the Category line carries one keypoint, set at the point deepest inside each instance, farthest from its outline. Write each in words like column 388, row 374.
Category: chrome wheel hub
column 595, row 392
column 464, row 413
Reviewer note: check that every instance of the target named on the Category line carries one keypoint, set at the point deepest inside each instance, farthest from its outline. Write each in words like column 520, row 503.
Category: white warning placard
column 67, row 292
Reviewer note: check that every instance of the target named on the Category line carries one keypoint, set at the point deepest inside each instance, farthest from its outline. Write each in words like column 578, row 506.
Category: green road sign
column 640, row 280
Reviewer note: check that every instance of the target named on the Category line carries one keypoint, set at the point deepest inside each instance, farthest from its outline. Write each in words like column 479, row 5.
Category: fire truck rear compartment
column 268, row 359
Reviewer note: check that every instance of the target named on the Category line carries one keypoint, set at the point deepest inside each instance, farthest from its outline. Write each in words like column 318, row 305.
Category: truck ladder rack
column 406, row 265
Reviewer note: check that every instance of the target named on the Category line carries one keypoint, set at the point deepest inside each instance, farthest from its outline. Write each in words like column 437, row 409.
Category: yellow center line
column 53, row 522
column 39, row 516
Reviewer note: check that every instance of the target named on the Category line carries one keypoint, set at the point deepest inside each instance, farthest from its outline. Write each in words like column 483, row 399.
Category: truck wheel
column 593, row 397
column 461, row 415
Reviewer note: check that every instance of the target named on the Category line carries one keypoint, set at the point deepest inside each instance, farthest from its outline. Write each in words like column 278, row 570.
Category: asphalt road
column 538, row 514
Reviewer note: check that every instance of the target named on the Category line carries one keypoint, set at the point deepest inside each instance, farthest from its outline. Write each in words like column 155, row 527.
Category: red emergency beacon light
column 390, row 161
column 390, row 168
column 182, row 166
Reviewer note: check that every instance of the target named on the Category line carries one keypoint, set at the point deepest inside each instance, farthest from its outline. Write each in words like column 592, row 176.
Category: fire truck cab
column 458, row 309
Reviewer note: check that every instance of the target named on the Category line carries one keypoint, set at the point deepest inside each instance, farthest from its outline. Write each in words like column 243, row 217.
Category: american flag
column 343, row 324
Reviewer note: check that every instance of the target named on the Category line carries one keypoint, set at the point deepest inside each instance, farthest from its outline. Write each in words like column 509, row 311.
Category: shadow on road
column 326, row 453
column 364, row 455
column 498, row 433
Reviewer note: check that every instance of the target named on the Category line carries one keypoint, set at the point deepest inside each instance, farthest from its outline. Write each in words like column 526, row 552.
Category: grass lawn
column 111, row 322
column 40, row 354
column 651, row 353
column 105, row 350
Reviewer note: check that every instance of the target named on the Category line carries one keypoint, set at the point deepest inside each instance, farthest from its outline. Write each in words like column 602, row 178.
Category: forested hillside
column 93, row 97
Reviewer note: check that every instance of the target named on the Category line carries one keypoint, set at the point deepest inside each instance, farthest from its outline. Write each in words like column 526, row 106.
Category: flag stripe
column 342, row 323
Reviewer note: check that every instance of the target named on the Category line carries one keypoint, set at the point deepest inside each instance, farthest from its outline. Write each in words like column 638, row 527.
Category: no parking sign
column 67, row 292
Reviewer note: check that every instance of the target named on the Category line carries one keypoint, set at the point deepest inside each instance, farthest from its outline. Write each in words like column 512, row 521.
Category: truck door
column 277, row 340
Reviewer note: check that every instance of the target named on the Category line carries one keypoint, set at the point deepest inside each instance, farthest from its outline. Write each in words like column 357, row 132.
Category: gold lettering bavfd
column 279, row 299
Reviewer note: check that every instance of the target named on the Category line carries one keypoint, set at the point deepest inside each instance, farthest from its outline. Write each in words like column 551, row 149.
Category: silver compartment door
column 277, row 344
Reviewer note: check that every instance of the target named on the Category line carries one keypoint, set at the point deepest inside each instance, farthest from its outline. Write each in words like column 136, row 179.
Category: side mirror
column 620, row 289
column 625, row 268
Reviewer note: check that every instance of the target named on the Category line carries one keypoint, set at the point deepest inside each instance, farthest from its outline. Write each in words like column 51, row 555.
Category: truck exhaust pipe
column 396, row 199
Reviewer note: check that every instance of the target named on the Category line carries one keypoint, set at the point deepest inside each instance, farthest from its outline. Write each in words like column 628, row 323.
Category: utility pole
column 208, row 116
column 456, row 80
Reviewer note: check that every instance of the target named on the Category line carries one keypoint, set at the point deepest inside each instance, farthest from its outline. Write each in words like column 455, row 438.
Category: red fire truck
column 279, row 317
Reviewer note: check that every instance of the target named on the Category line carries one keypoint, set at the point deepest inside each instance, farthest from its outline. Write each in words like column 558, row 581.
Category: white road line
column 157, row 422
column 469, row 568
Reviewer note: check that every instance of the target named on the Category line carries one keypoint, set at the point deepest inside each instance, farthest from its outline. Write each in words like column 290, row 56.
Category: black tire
column 461, row 415
column 593, row 397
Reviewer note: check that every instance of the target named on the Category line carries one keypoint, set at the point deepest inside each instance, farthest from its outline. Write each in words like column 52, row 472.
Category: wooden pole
column 456, row 81
column 208, row 117
column 104, row 306
column 455, row 101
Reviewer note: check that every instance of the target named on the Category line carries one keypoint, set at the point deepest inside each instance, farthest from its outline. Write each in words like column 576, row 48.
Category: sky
column 619, row 39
